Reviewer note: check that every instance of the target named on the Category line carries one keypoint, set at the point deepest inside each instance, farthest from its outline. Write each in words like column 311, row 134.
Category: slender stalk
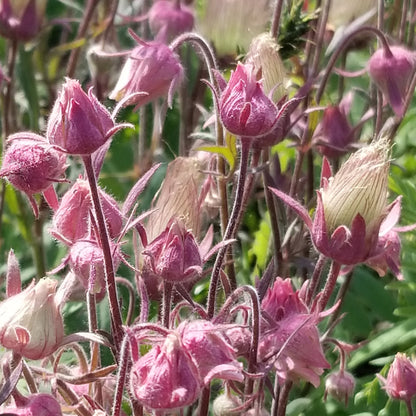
column 121, row 376
column 409, row 407
column 315, row 279
column 274, row 224
column 412, row 24
column 167, row 301
column 403, row 20
column 283, row 398
column 73, row 57
column 329, row 285
column 319, row 41
column 274, row 29
column 230, row 231
column 276, row 392
column 116, row 320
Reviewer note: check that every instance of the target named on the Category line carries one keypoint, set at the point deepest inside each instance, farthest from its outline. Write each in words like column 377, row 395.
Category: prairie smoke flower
column 166, row 378
column 392, row 69
column 35, row 405
column 340, row 385
column 168, row 20
column 21, row 19
column 334, row 134
column 31, row 165
column 153, row 69
column 174, row 255
column 79, row 124
column 351, row 205
column 401, row 379
column 285, row 315
column 246, row 111
column 71, row 221
column 86, row 260
column 214, row 356
column 30, row 321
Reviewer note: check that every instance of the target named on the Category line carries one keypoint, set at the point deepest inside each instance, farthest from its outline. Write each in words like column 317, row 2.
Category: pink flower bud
column 245, row 110
column 79, row 123
column 174, row 255
column 153, row 69
column 166, row 378
column 71, row 220
column 36, row 405
column 340, row 385
column 168, row 20
column 31, row 164
column 21, row 19
column 30, row 322
column 401, row 379
column 392, row 70
column 214, row 356
column 86, row 260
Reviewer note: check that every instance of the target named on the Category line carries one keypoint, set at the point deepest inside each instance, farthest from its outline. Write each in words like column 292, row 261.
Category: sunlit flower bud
column 86, row 260
column 401, row 379
column 168, row 19
column 71, row 220
column 264, row 56
column 36, row 405
column 245, row 110
column 174, row 255
column 340, row 385
column 392, row 70
column 166, row 378
column 153, row 69
column 359, row 188
column 31, row 164
column 21, row 19
column 79, row 123
column 30, row 322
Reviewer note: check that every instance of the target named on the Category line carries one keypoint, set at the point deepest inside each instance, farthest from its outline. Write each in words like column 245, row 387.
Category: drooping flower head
column 287, row 320
column 168, row 19
column 40, row 404
column 334, row 134
column 31, row 165
column 392, row 70
column 21, row 19
column 166, row 378
column 86, row 260
column 174, row 255
column 79, row 124
column 31, row 322
column 214, row 356
column 153, row 69
column 401, row 379
column 71, row 221
column 340, row 385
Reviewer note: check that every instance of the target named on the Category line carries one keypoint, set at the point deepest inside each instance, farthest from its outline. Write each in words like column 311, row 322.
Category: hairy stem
column 116, row 320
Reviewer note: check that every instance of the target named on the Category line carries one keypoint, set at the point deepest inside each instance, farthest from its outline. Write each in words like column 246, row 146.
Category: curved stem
column 284, row 397
column 167, row 300
column 231, row 227
column 116, row 320
column 344, row 44
column 121, row 376
column 329, row 285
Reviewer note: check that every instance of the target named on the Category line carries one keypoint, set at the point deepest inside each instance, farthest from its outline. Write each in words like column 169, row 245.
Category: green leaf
column 228, row 152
